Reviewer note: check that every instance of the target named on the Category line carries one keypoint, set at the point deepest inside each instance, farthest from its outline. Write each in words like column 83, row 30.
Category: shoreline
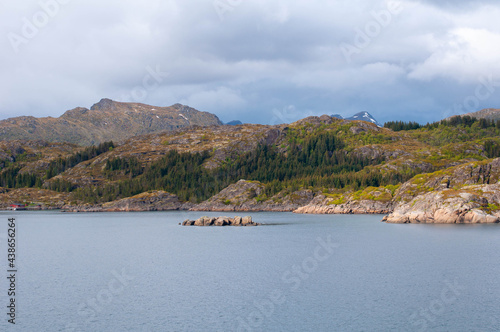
column 464, row 194
column 385, row 217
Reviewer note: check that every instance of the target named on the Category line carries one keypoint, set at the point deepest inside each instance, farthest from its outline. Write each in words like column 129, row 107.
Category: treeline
column 456, row 121
column 319, row 162
column 468, row 121
column 492, row 149
column 60, row 185
column 61, row 164
column 465, row 121
column 401, row 125
column 179, row 173
column 11, row 178
column 130, row 166
column 321, row 155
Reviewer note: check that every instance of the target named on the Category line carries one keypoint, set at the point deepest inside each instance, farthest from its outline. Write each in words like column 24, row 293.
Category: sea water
column 144, row 272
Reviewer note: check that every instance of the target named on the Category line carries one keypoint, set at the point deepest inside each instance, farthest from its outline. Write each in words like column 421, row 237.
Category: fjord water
column 144, row 272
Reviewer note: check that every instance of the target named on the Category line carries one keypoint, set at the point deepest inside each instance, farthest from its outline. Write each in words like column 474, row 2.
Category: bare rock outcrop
column 82, row 208
column 362, row 207
column 148, row 201
column 221, row 221
column 470, row 204
column 474, row 173
column 380, row 203
column 379, row 151
column 250, row 196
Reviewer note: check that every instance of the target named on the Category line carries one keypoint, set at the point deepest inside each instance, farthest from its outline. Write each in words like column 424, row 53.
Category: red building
column 18, row 207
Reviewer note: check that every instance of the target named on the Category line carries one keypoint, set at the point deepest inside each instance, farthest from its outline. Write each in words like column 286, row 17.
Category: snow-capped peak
column 364, row 116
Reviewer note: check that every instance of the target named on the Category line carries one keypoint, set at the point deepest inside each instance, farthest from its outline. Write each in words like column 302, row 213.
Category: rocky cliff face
column 105, row 121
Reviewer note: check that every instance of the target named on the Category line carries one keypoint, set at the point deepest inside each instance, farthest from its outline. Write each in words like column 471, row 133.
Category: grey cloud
column 261, row 57
column 459, row 4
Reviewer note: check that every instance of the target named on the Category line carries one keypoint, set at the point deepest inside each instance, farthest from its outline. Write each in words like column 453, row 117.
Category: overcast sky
column 259, row 61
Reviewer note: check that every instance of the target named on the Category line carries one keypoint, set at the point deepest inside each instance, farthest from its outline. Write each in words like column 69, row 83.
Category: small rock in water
column 221, row 221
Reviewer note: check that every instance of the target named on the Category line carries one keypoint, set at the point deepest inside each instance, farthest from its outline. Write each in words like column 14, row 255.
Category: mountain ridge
column 105, row 121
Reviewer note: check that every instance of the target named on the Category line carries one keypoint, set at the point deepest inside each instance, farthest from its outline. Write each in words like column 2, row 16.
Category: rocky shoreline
column 327, row 205
column 468, row 193
column 471, row 205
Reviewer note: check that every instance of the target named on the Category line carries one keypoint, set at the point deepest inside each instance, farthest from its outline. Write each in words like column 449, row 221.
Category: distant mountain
column 488, row 113
column 234, row 123
column 107, row 120
column 363, row 116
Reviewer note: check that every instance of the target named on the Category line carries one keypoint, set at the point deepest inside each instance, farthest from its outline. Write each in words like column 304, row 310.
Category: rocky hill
column 462, row 194
column 249, row 196
column 488, row 113
column 105, row 121
column 315, row 165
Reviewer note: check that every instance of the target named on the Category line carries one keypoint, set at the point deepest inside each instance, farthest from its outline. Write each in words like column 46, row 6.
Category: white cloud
column 465, row 55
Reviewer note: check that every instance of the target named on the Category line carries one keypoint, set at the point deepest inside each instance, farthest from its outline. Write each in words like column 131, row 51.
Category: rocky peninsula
column 470, row 205
column 467, row 193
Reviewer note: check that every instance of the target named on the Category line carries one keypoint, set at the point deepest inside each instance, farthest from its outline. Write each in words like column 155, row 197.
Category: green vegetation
column 130, row 166
column 467, row 121
column 60, row 185
column 493, row 208
column 457, row 129
column 179, row 173
column 61, row 164
column 319, row 162
column 401, row 125
column 492, row 148
column 11, row 178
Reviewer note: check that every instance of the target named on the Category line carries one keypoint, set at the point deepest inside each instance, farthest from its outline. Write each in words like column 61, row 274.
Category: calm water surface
column 144, row 272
